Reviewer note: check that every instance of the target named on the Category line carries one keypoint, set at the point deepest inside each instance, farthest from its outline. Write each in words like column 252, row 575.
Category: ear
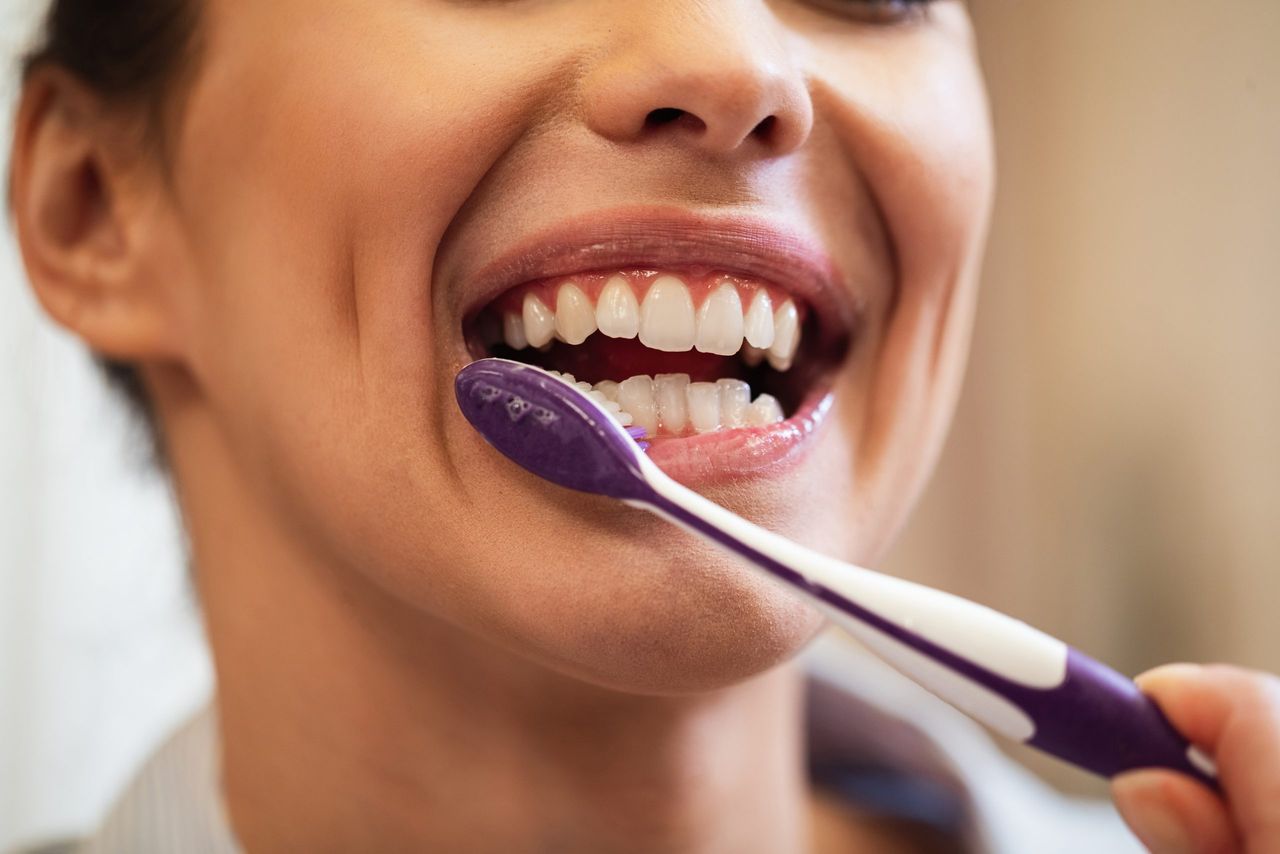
column 85, row 197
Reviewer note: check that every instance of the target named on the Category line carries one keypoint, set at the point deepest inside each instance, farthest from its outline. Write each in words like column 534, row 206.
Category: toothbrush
column 1016, row 680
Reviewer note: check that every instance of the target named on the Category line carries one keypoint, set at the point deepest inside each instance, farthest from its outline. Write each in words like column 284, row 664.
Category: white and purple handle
column 1015, row 679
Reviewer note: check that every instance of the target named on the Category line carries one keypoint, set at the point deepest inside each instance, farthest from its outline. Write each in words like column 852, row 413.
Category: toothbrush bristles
column 638, row 433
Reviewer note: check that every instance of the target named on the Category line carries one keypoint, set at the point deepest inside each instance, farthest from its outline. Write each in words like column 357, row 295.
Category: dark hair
column 133, row 53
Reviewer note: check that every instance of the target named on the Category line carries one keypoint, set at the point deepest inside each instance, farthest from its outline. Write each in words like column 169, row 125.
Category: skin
column 1234, row 715
column 419, row 646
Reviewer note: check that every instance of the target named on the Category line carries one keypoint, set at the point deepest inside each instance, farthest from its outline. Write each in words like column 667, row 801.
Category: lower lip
column 728, row 455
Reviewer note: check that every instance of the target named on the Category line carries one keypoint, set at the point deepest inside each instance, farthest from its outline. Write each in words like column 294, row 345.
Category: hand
column 1234, row 716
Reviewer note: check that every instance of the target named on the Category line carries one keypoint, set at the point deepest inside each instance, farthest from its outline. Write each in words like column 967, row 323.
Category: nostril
column 673, row 116
column 765, row 129
column 662, row 116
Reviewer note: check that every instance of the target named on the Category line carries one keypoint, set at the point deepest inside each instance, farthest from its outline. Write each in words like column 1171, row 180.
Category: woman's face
column 362, row 189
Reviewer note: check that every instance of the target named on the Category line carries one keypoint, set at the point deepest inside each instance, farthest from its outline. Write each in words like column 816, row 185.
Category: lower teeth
column 671, row 405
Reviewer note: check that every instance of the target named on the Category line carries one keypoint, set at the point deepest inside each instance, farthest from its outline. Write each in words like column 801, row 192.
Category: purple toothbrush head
column 550, row 428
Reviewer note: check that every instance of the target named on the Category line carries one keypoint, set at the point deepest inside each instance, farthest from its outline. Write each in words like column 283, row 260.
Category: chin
column 678, row 618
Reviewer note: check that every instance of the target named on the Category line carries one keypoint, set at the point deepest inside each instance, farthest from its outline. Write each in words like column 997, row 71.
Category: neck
column 352, row 721
column 350, row 725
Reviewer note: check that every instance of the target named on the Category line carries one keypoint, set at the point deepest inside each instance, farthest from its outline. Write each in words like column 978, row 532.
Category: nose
column 715, row 76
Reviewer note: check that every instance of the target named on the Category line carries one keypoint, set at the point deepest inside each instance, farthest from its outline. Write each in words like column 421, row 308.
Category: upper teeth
column 757, row 326
column 786, row 335
column 575, row 317
column 617, row 312
column 720, row 322
column 538, row 322
column 663, row 316
column 666, row 316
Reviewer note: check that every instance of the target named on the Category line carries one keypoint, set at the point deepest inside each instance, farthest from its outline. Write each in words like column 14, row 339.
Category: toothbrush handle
column 1011, row 677
column 1099, row 720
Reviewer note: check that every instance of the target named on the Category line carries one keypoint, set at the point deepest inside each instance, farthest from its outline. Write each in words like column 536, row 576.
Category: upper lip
column 660, row 237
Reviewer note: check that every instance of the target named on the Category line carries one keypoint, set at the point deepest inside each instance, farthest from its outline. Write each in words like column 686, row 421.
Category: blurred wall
column 1113, row 475
column 1114, row 472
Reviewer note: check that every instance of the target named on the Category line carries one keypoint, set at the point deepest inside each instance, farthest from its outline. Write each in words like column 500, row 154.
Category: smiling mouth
column 680, row 351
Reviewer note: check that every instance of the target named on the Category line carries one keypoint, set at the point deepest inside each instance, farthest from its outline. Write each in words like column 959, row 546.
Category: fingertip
column 1166, row 674
column 1140, row 797
column 1170, row 812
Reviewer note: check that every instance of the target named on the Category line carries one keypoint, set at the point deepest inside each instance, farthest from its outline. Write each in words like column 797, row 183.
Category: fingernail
column 1178, row 671
column 1159, row 827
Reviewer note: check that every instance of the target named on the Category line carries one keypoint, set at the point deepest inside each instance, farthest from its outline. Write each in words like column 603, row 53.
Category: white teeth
column 609, row 389
column 539, row 321
column 665, row 320
column 669, row 403
column 611, row 407
column 666, row 316
column 635, row 395
column 513, row 331
column 617, row 312
column 757, row 326
column 764, row 411
column 786, row 336
column 704, row 406
column 669, row 395
column 575, row 317
column 735, row 397
column 598, row 393
column 720, row 322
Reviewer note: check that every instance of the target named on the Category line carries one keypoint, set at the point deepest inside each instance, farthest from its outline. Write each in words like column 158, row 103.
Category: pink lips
column 731, row 454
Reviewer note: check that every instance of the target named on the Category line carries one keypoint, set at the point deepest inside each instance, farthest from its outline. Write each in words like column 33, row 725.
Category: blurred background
column 1113, row 475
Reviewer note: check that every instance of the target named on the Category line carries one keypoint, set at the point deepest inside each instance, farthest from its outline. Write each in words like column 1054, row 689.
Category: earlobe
column 73, row 189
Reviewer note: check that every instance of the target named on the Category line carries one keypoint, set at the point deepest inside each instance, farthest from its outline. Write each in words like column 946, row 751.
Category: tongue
column 602, row 358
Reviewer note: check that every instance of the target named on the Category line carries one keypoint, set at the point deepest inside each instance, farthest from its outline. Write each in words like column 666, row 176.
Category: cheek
column 912, row 116
column 319, row 192
column 324, row 187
